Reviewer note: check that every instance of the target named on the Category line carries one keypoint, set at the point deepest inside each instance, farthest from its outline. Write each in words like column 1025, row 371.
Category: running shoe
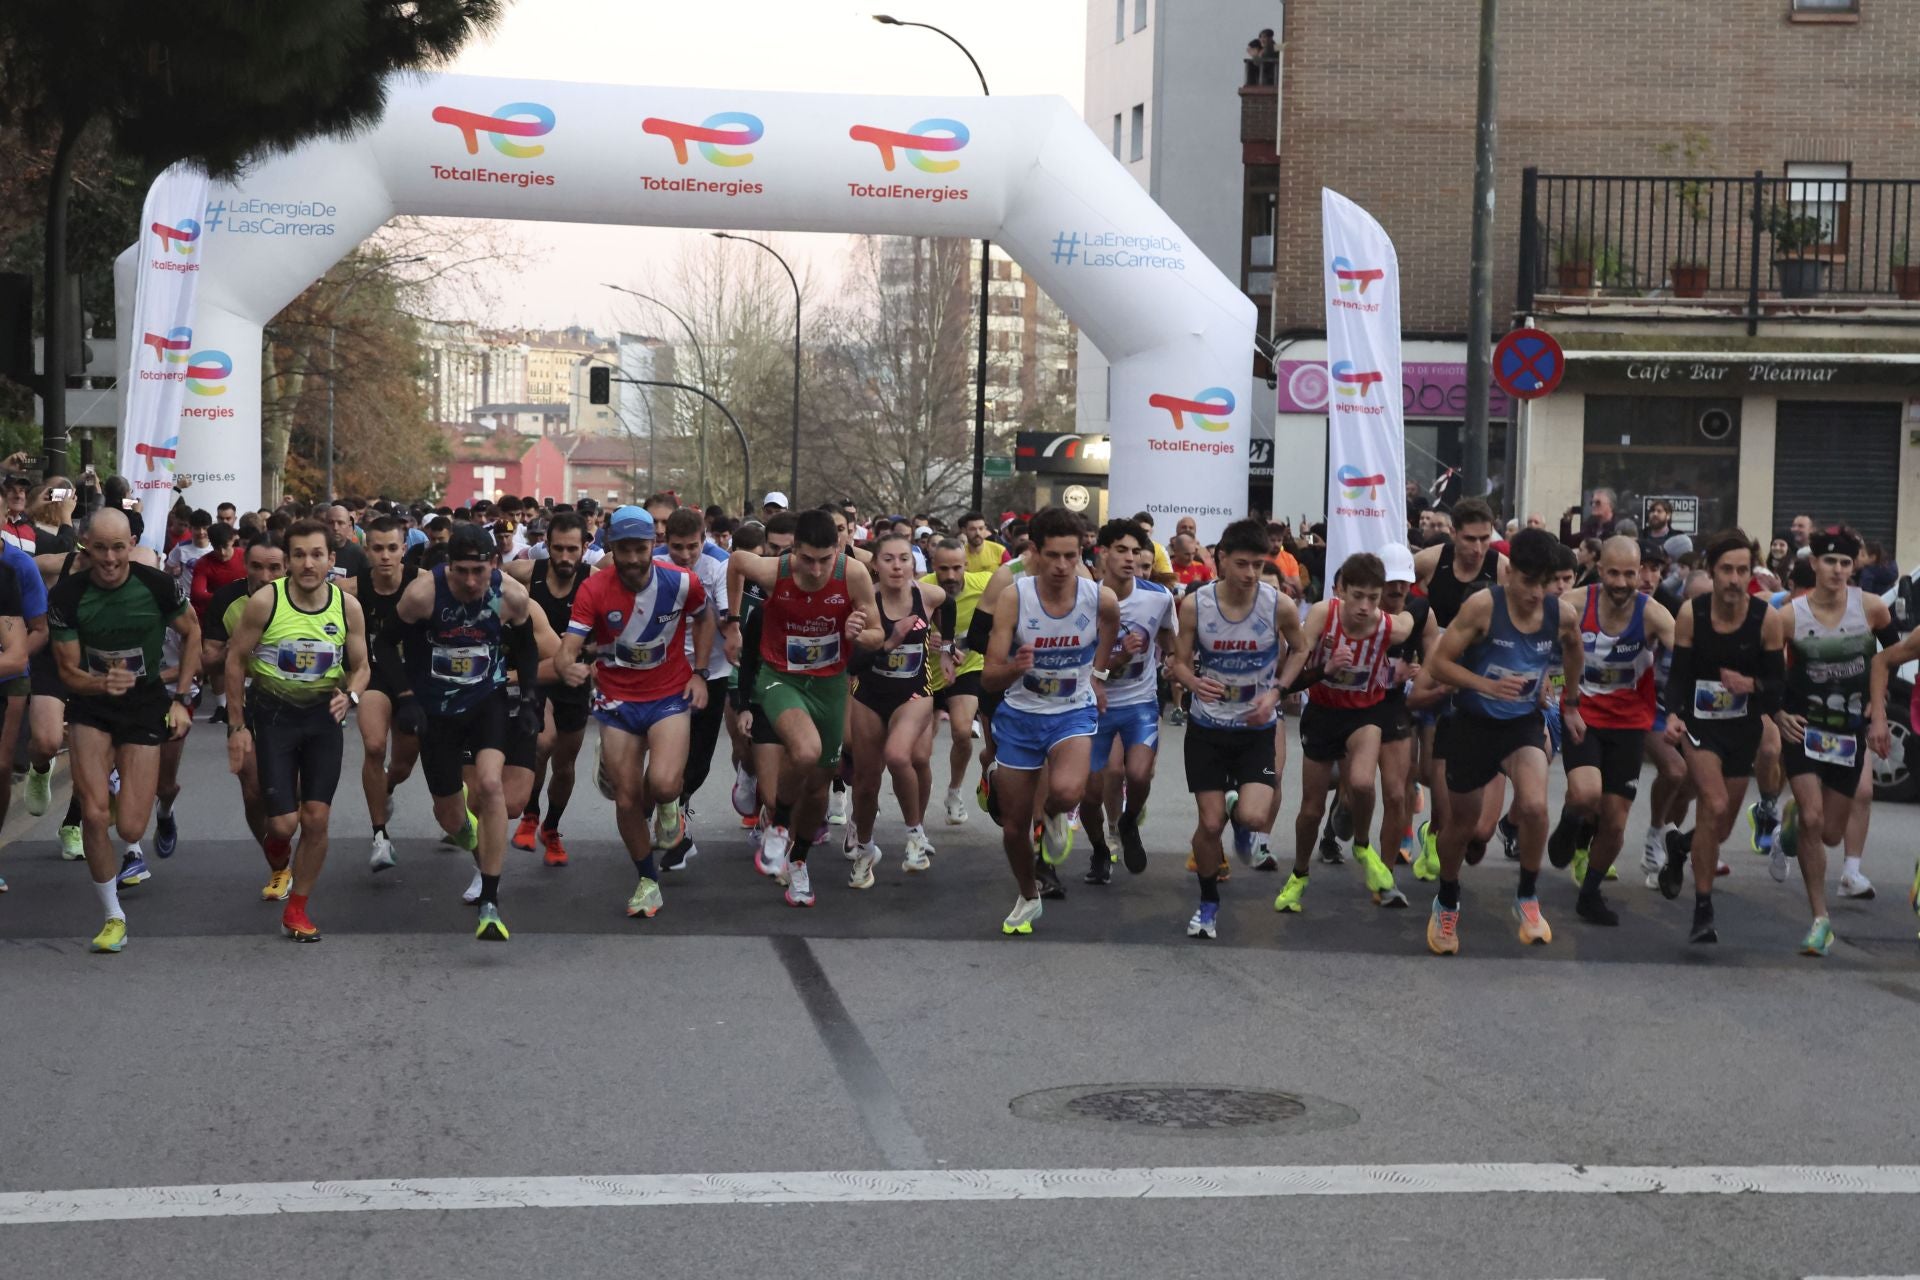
column 750, row 822
column 1340, row 819
column 112, row 936
column 1855, row 885
column 1379, row 878
column 1653, row 854
column 166, row 834
column 468, row 837
column 556, row 849
column 1133, row 851
column 1049, row 881
column 956, row 811
column 746, row 792
column 1263, row 858
column 770, row 859
column 1702, row 930
column 1099, row 870
column 1786, row 842
column 839, row 804
column 821, row 835
column 1510, row 842
column 1330, row 852
column 491, row 927
column 1056, row 838
column 1593, row 908
column 1673, row 872
column 1176, row 717
column 1020, row 919
column 865, row 858
column 295, row 924
column 1819, row 939
column 3, row 885
column 646, row 900
column 1533, row 929
column 526, row 833
column 72, row 847
column 676, row 858
column 381, row 858
column 279, row 885
column 1582, row 859
column 133, row 870
column 39, row 790
column 1205, row 921
column 1763, row 824
column 1443, row 930
column 1427, row 865
column 1722, row 868
column 1913, row 894
column 471, row 894
column 1403, row 854
column 918, row 855
column 799, row 885
column 1291, row 893
column 669, row 825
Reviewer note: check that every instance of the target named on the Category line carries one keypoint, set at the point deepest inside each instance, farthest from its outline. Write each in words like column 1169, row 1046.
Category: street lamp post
column 986, row 246
column 333, row 343
column 746, row 454
column 700, row 354
column 793, row 479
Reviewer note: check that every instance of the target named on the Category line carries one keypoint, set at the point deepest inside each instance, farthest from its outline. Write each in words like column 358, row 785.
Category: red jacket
column 210, row 573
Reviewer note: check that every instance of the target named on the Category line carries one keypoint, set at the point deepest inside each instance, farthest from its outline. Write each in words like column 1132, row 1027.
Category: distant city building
column 467, row 366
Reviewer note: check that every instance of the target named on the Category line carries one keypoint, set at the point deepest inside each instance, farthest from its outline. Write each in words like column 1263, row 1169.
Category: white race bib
column 1714, row 701
column 101, row 661
column 305, row 660
column 811, row 653
column 1829, row 747
column 461, row 664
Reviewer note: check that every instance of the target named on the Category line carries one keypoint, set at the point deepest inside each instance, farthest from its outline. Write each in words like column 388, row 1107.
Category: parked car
column 1894, row 778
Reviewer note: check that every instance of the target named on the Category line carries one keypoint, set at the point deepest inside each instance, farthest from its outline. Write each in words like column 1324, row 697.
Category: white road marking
column 375, row 1195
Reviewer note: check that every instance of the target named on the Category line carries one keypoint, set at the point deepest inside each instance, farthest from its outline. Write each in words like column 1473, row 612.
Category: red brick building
column 487, row 464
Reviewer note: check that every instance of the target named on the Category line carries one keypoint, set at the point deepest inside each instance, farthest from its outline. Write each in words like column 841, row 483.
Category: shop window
column 1648, row 446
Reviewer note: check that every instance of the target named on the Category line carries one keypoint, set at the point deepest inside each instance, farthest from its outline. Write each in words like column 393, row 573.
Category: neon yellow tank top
column 300, row 657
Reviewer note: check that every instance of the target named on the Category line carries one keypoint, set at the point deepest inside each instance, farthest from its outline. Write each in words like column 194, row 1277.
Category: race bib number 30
column 811, row 653
column 642, row 655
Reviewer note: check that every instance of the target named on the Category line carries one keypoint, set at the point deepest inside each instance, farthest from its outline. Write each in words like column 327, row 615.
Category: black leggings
column 706, row 736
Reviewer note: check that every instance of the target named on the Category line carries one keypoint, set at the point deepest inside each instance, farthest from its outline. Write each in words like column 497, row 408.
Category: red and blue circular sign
column 1528, row 364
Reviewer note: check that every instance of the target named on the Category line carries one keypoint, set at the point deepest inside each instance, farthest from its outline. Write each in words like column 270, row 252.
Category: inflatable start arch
column 1025, row 172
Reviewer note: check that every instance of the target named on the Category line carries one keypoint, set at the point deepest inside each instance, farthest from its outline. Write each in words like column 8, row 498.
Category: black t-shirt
column 215, row 626
column 349, row 561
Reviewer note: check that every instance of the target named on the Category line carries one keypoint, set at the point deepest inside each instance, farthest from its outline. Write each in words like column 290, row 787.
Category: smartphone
column 130, row 504
column 59, row 495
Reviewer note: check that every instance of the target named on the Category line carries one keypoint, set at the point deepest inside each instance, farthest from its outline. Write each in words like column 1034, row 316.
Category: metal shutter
column 1837, row 461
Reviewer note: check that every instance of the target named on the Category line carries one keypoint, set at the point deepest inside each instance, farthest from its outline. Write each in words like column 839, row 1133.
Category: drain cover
column 1182, row 1108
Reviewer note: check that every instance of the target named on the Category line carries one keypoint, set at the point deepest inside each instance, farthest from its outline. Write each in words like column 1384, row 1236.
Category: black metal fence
column 1731, row 242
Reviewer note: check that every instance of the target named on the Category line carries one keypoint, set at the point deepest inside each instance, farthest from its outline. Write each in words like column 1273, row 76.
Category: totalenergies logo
column 1351, row 279
column 515, row 120
column 163, row 454
column 1209, row 409
column 171, row 346
column 179, row 238
column 916, row 142
column 722, row 129
column 1351, row 381
column 207, row 373
column 1357, row 483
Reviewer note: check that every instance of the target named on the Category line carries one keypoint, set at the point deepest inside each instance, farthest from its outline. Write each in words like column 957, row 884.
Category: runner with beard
column 552, row 582
column 378, row 586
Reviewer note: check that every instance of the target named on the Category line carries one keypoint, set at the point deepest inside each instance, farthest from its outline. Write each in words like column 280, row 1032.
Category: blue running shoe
column 1203, row 924
column 133, row 870
column 166, row 835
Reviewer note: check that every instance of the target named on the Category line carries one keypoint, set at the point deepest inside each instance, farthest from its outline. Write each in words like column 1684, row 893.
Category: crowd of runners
column 1434, row 690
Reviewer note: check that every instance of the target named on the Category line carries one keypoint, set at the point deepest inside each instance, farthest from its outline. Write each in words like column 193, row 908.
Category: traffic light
column 600, row 385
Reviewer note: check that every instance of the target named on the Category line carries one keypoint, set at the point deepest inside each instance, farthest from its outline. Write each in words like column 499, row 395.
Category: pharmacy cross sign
column 1528, row 363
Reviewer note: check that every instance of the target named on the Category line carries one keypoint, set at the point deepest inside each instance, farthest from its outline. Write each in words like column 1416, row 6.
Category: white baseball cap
column 775, row 499
column 1399, row 563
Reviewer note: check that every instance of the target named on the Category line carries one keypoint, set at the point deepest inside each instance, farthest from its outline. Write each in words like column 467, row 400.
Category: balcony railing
column 1758, row 247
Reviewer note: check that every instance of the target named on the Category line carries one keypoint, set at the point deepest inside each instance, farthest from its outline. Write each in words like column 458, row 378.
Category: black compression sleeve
column 946, row 617
column 1680, row 685
column 524, row 653
column 979, row 631
column 1770, row 693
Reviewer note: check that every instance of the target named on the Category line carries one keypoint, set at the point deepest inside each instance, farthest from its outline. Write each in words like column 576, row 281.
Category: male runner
column 303, row 643
column 687, row 550
column 1402, row 731
column 756, row 771
column 378, row 587
column 1729, row 673
column 959, row 697
column 465, row 621
column 1832, row 633
column 1350, row 640
column 1042, row 653
column 17, row 643
column 107, row 626
column 552, row 581
column 1620, row 628
column 1131, row 720
column 265, row 562
column 819, row 605
column 638, row 617
column 1450, row 573
column 1495, row 654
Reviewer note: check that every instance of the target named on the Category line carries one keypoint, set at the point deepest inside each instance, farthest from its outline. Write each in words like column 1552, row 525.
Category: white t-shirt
column 180, row 560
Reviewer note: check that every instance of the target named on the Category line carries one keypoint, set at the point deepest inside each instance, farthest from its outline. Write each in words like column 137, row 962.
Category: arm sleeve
column 1771, row 694
column 945, row 618
column 1680, row 685
column 524, row 652
column 749, row 661
column 979, row 631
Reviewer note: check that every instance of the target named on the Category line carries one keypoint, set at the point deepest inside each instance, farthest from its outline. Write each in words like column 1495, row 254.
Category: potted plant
column 1573, row 263
column 1906, row 275
column 1690, row 275
column 1613, row 271
column 1801, row 275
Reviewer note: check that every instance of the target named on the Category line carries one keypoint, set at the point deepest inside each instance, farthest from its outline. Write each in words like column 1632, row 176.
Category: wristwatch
column 184, row 699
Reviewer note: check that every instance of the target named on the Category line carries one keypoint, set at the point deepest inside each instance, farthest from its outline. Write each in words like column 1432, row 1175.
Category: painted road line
column 891, row 1186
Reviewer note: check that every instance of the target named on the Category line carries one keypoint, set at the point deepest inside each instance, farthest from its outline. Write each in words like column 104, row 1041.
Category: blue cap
column 630, row 522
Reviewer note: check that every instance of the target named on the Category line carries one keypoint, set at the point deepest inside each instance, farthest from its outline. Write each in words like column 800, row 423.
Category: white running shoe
column 382, row 856
column 918, row 855
column 865, row 859
column 1653, row 855
column 746, row 792
column 799, row 885
column 1855, row 885
column 1020, row 919
column 1056, row 838
column 850, row 847
column 472, row 895
column 956, row 810
column 839, row 803
column 770, row 859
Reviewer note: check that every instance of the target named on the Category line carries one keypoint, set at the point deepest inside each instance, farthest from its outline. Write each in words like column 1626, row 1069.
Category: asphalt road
column 895, row 1029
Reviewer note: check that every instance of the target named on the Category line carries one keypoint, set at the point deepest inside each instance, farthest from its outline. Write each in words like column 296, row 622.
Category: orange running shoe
column 750, row 821
column 1533, row 928
column 1443, row 930
column 556, row 851
column 526, row 833
column 295, row 924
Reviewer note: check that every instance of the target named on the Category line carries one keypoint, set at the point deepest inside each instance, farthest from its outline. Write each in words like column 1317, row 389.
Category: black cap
column 16, row 478
column 470, row 542
column 586, row 506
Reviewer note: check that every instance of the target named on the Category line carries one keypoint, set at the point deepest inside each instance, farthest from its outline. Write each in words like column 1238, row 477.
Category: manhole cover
column 1182, row 1108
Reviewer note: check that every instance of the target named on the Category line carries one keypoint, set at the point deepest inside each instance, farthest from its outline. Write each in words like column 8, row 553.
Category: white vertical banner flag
column 170, row 378
column 1366, row 439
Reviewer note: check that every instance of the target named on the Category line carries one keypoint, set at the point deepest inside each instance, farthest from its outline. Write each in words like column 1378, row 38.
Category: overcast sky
column 1024, row 46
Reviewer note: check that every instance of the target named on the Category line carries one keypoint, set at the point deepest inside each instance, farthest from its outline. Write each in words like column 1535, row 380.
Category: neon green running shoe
column 1291, row 893
column 1819, row 939
column 39, row 790
column 1056, row 838
column 1427, row 865
column 491, row 927
column 646, row 900
column 112, row 936
column 71, row 846
column 1379, row 878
